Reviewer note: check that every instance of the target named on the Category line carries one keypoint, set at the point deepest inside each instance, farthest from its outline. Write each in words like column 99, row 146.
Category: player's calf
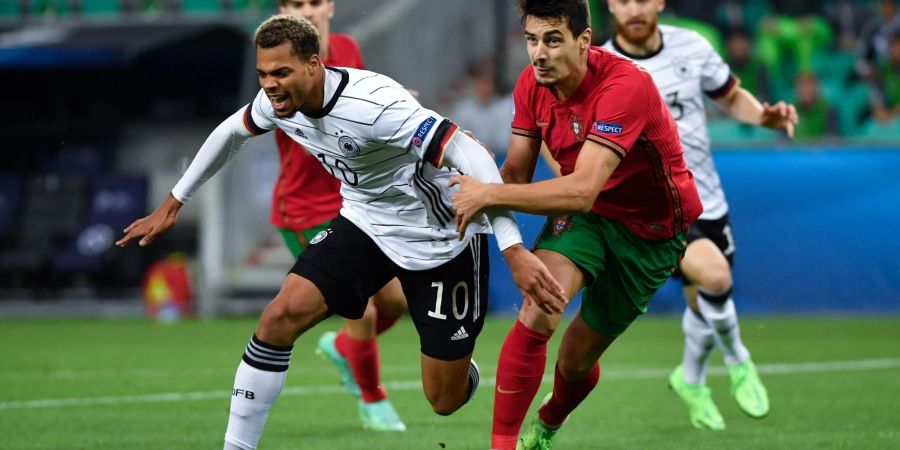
column 441, row 381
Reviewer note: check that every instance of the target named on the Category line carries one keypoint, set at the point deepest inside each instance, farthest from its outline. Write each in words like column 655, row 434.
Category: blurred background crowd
column 105, row 101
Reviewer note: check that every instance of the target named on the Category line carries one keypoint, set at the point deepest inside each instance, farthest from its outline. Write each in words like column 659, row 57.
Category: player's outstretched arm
column 530, row 274
column 743, row 106
column 221, row 144
column 157, row 223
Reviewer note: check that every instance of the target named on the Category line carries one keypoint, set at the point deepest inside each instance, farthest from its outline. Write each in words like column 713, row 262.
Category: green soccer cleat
column 748, row 390
column 327, row 350
column 538, row 436
column 703, row 412
column 380, row 416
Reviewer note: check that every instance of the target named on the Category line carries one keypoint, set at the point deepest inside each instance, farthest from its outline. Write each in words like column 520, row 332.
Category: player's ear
column 313, row 63
column 584, row 40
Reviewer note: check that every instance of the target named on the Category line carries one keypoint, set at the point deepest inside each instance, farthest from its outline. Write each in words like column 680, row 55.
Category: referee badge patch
column 561, row 224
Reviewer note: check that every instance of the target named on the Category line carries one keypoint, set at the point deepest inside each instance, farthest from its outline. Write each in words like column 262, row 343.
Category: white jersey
column 376, row 139
column 684, row 69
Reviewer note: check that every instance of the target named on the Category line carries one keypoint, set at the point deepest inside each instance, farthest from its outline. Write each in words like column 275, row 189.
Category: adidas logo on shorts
column 460, row 334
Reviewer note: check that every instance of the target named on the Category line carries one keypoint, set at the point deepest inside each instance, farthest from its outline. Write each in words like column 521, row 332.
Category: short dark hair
column 300, row 32
column 573, row 12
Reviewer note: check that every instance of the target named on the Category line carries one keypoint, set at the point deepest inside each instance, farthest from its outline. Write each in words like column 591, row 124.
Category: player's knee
column 717, row 279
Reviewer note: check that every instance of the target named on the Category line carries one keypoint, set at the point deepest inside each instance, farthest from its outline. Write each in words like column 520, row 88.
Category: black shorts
column 718, row 231
column 447, row 303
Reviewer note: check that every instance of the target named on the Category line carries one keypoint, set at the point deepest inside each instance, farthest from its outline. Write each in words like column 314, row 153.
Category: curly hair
column 573, row 12
column 301, row 33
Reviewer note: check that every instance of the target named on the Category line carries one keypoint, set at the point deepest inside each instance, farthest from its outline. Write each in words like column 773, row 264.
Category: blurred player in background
column 395, row 160
column 305, row 199
column 685, row 67
column 616, row 217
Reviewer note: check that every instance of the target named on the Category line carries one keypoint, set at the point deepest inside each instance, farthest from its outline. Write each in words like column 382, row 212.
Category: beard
column 636, row 36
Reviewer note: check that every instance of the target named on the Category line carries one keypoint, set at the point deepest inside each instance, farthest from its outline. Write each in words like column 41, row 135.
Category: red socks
column 566, row 396
column 362, row 356
column 519, row 373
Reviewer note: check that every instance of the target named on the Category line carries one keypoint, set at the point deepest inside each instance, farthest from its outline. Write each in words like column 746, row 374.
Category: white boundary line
column 634, row 374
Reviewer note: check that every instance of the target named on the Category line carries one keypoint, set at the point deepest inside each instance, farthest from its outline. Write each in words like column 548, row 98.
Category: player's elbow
column 582, row 199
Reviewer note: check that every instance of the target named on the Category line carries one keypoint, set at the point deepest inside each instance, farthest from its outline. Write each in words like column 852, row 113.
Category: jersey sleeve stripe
column 435, row 151
column 730, row 84
column 616, row 148
column 527, row 133
column 250, row 124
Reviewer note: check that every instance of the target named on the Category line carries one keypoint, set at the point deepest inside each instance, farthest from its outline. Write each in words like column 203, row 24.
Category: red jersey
column 306, row 194
column 651, row 192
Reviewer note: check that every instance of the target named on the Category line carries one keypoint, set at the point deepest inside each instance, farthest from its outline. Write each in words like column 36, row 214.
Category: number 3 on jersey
column 460, row 294
column 674, row 104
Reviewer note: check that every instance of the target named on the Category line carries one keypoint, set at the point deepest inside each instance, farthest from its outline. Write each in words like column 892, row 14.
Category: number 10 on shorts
column 457, row 314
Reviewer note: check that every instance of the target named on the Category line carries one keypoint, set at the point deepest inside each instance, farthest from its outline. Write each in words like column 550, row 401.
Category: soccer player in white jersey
column 394, row 159
column 685, row 67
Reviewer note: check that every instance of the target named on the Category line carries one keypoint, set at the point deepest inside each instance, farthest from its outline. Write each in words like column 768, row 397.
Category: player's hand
column 535, row 281
column 153, row 225
column 470, row 134
column 780, row 115
column 468, row 202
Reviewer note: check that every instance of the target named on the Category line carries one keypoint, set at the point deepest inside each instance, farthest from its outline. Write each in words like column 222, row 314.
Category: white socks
column 258, row 382
column 698, row 346
column 718, row 311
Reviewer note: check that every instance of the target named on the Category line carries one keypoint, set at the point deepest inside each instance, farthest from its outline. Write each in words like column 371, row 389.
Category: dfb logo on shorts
column 320, row 236
column 249, row 395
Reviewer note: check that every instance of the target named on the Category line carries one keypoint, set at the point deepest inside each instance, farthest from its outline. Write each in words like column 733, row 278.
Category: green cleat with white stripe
column 380, row 416
column 538, row 436
column 748, row 390
column 697, row 397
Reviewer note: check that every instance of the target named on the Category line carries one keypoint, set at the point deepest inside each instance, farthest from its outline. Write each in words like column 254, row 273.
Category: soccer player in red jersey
column 305, row 199
column 617, row 215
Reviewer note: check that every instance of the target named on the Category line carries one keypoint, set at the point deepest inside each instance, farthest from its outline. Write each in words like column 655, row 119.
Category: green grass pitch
column 130, row 384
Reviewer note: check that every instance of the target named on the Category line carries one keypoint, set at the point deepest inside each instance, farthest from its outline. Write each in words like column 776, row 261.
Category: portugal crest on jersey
column 577, row 127
column 348, row 146
column 561, row 224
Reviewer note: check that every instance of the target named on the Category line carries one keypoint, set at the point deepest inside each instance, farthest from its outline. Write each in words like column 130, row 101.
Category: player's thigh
column 573, row 251
column 569, row 276
column 448, row 303
column 298, row 306
column 390, row 300
column 635, row 269
column 346, row 266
